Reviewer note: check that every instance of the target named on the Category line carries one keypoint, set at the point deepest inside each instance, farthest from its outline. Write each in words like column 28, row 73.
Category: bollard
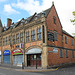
column 36, row 64
column 22, row 65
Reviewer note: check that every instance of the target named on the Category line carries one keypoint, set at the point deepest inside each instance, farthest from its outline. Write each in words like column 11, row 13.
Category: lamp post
column 11, row 47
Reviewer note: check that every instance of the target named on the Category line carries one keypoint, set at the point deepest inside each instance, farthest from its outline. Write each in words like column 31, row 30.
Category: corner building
column 39, row 39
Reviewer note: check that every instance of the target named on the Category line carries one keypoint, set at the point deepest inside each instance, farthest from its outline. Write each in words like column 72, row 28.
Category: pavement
column 26, row 69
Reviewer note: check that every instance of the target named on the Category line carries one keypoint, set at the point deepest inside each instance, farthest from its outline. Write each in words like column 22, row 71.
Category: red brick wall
column 54, row 27
column 68, row 45
column 55, row 59
column 38, row 43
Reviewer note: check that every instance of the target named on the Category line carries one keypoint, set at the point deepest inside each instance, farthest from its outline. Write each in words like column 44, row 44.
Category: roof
column 29, row 19
column 0, row 23
column 67, row 33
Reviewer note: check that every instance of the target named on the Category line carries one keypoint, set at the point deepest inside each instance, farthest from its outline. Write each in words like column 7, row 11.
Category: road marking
column 24, row 70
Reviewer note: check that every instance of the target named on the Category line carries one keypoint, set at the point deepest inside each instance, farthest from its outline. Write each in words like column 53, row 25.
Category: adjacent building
column 38, row 39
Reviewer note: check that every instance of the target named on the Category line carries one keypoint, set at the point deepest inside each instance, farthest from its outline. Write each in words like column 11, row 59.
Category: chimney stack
column 9, row 22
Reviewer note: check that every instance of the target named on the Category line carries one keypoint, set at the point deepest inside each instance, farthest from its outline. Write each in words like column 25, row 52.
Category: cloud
column 32, row 6
column 64, row 9
column 8, row 8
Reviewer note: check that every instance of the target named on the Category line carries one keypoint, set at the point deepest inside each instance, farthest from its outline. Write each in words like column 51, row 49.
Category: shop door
column 6, row 59
column 33, row 59
column 18, row 59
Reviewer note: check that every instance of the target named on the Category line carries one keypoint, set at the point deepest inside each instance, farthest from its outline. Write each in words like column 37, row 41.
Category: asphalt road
column 62, row 71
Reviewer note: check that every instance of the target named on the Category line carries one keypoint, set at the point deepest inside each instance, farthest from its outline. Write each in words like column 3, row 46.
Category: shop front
column 17, row 57
column 34, row 57
column 6, row 57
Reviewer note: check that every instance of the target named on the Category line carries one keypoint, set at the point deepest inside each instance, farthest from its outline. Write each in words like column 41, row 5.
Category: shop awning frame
column 34, row 51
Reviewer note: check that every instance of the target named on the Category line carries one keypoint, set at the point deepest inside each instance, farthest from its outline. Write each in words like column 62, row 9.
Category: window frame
column 61, row 53
column 39, row 35
column 22, row 37
column 66, row 39
column 54, row 20
column 33, row 35
column 17, row 38
column 28, row 36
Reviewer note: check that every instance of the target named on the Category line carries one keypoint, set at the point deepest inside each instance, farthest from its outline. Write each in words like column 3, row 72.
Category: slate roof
column 67, row 33
column 0, row 23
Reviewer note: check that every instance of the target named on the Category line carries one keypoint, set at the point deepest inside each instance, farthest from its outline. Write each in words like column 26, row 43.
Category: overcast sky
column 17, row 9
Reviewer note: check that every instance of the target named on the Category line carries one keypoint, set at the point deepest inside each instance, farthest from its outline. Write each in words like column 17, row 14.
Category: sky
column 18, row 9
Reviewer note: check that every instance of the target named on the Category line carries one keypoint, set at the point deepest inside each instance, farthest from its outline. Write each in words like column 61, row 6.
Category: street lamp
column 11, row 44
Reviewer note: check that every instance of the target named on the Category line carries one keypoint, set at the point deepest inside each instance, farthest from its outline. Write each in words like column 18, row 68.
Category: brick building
column 38, row 39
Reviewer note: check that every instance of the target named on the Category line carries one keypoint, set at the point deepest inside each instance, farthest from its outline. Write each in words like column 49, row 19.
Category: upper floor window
column 17, row 38
column 33, row 35
column 50, row 36
column 72, row 42
column 9, row 39
column 3, row 41
column 13, row 39
column 27, row 36
column 54, row 20
column 55, row 36
column 22, row 37
column 61, row 53
column 6, row 40
column 39, row 34
column 66, row 39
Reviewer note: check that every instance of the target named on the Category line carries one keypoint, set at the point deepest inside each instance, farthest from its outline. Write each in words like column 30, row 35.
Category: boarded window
column 50, row 36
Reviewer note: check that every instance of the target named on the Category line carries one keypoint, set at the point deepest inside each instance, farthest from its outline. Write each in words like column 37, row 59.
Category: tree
column 73, row 21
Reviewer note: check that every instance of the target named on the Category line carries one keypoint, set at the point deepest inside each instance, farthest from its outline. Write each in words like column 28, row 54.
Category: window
column 61, row 53
column 73, row 54
column 55, row 36
column 33, row 35
column 9, row 39
column 17, row 38
column 50, row 36
column 22, row 37
column 54, row 20
column 66, row 39
column 27, row 36
column 6, row 40
column 66, row 53
column 72, row 42
column 43, row 33
column 3, row 41
column 39, row 34
column 13, row 39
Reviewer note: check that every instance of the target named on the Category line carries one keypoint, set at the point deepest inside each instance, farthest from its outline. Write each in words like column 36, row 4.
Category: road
column 62, row 71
